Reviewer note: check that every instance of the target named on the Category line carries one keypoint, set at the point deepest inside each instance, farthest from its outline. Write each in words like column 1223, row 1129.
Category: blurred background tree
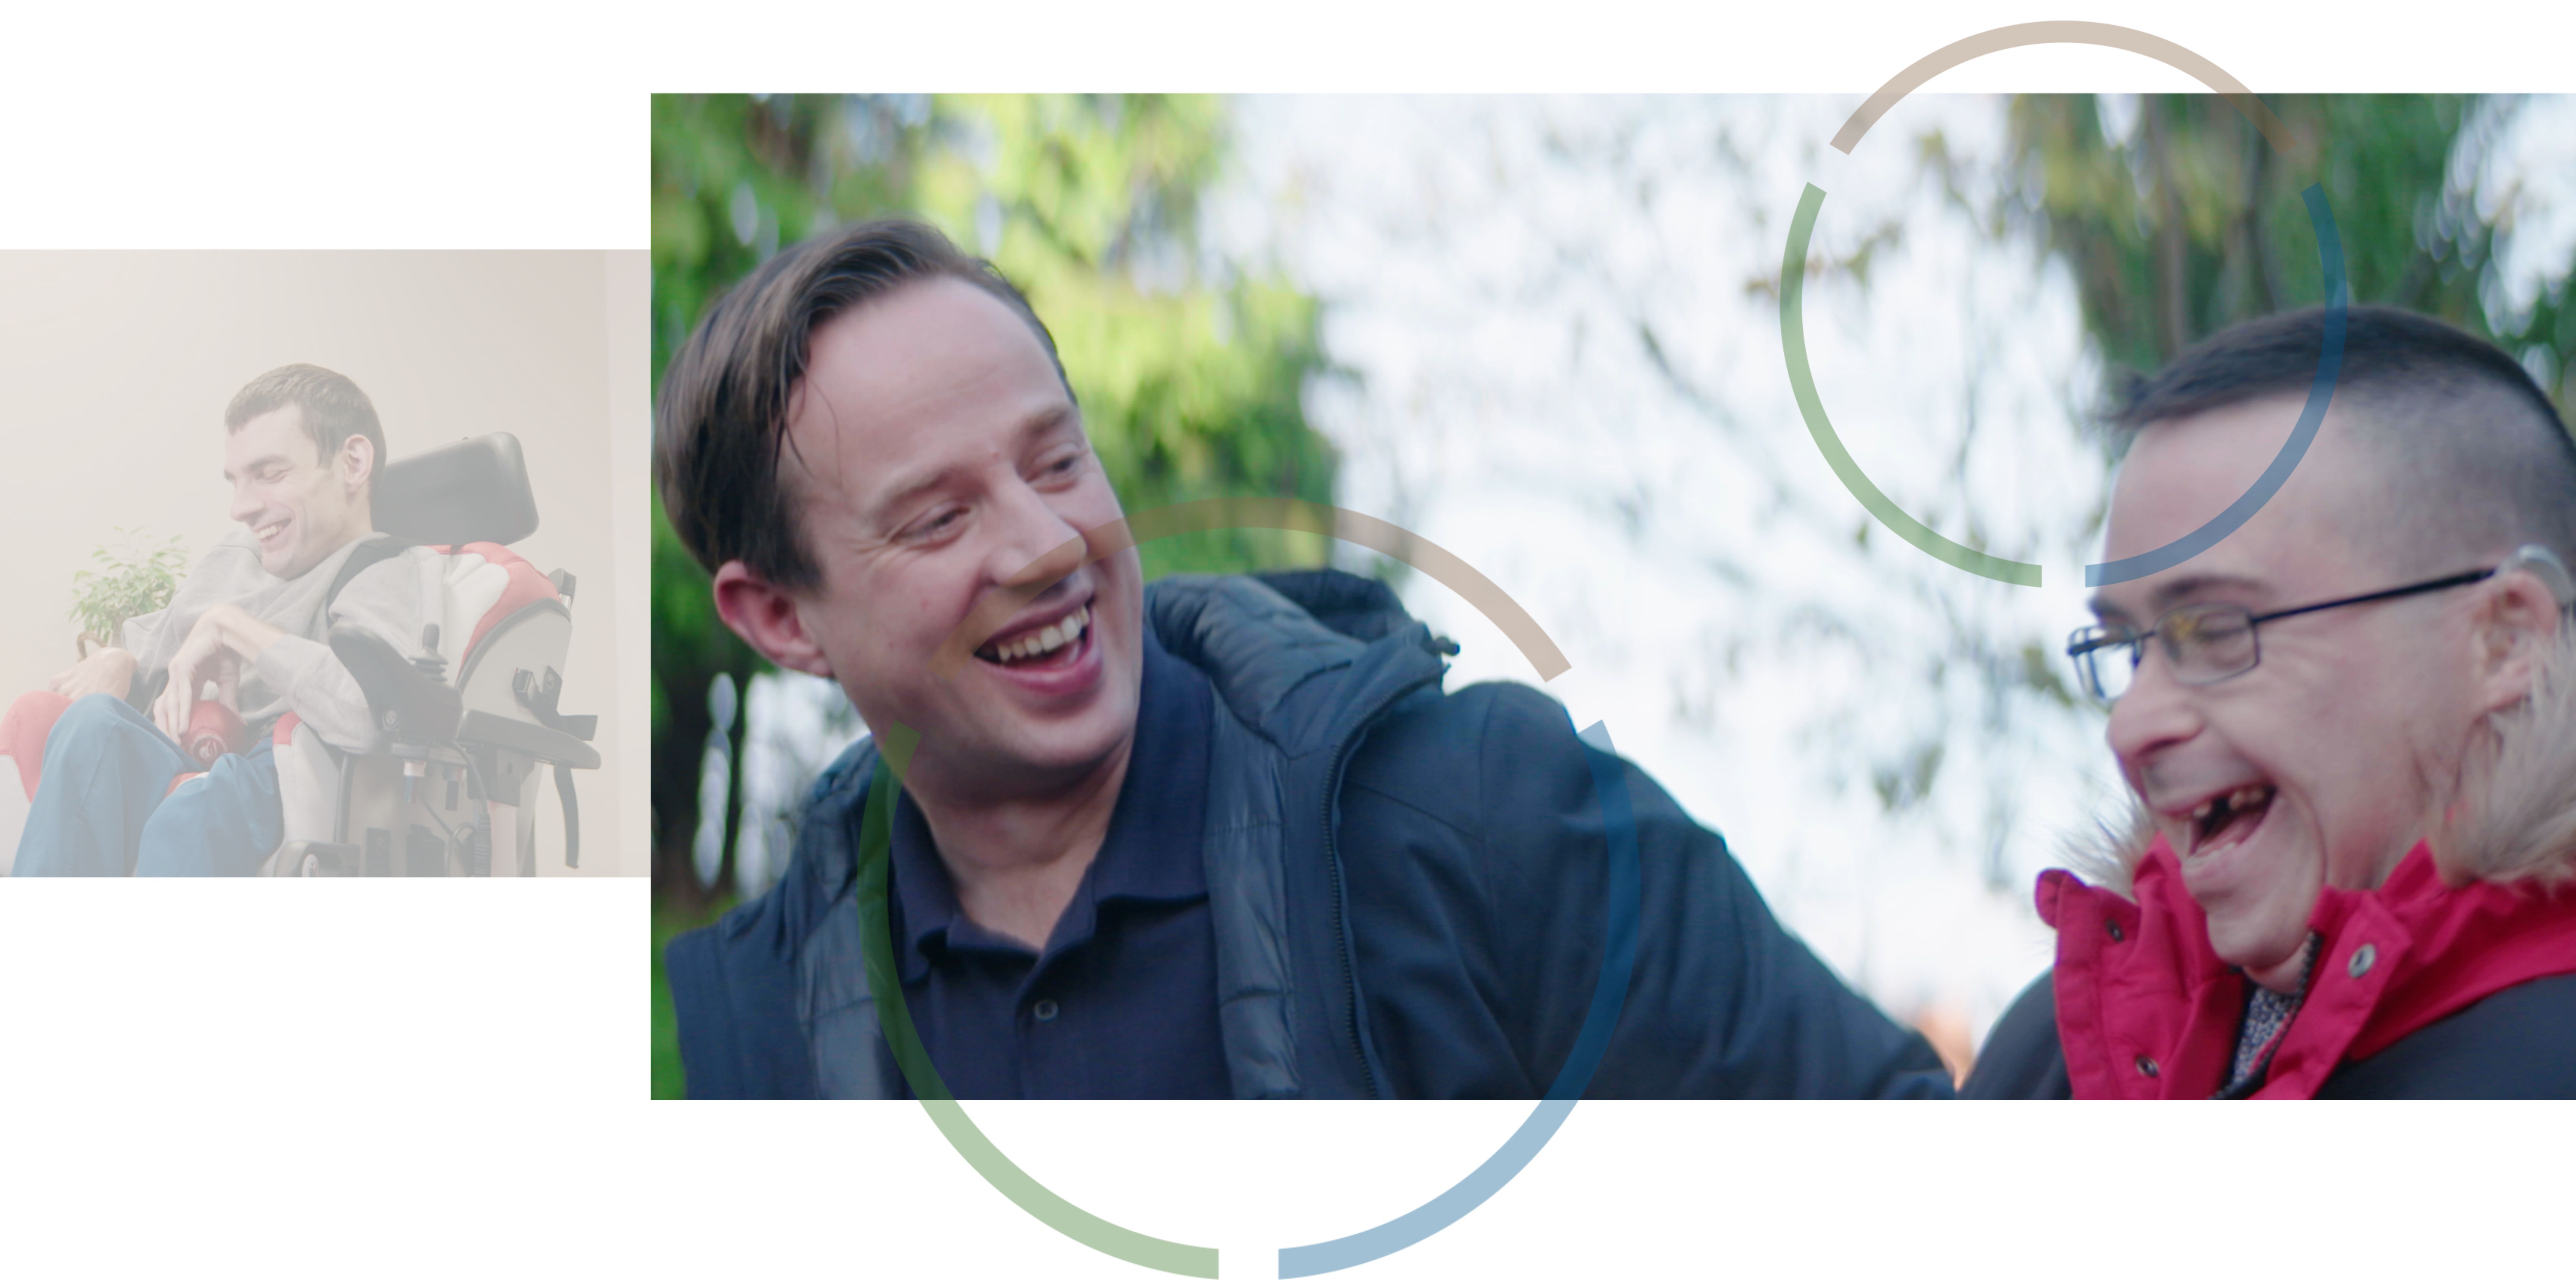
column 2178, row 219
column 1189, row 369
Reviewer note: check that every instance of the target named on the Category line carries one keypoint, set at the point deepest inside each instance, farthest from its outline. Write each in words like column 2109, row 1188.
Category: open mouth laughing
column 1052, row 643
column 2226, row 818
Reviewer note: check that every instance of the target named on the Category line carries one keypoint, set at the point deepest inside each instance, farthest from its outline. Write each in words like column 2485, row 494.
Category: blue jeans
column 101, row 809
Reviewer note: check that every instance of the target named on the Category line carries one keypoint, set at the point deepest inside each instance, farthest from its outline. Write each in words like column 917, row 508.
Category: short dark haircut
column 334, row 409
column 720, row 426
column 2476, row 458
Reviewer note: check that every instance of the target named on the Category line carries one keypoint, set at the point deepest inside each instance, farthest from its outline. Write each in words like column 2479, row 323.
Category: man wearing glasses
column 2350, row 733
column 120, row 792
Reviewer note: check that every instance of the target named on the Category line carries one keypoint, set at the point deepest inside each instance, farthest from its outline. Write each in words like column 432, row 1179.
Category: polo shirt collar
column 1152, row 851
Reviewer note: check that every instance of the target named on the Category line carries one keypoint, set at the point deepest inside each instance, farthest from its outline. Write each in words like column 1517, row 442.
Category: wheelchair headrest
column 474, row 489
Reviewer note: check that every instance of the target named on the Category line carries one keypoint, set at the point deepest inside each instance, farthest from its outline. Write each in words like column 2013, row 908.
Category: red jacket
column 2468, row 948
column 2145, row 1009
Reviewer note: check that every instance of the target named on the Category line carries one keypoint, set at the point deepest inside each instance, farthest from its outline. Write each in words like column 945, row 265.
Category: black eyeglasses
column 2205, row 643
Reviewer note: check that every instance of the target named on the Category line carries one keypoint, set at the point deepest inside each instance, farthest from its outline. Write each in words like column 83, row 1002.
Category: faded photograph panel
column 312, row 565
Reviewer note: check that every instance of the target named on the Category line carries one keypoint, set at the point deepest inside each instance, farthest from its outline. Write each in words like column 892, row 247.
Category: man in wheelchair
column 289, row 711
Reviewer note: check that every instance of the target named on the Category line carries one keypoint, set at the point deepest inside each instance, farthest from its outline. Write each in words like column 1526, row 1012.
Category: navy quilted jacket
column 1407, row 888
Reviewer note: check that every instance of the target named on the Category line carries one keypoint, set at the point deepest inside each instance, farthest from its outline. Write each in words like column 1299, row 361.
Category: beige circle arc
column 1802, row 380
column 1285, row 514
column 899, row 744
column 2061, row 33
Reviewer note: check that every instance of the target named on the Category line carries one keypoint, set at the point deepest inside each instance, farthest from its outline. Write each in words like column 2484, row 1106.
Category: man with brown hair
column 301, row 450
column 1216, row 836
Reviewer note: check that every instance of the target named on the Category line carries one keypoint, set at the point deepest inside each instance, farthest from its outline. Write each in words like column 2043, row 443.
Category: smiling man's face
column 298, row 507
column 937, row 457
column 2325, row 763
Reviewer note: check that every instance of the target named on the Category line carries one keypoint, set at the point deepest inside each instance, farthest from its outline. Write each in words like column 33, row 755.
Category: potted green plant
column 132, row 578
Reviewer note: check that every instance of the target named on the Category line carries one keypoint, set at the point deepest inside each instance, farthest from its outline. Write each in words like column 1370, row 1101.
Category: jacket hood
column 2511, row 819
column 1295, row 655
column 1269, row 643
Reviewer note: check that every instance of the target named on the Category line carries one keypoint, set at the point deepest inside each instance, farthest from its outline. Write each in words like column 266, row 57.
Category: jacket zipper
column 1333, row 870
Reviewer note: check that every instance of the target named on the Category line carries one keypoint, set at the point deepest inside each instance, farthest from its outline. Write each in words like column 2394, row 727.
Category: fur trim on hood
column 2512, row 818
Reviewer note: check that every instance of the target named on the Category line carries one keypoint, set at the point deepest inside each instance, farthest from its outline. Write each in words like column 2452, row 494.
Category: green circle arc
column 1793, row 336
column 876, row 848
column 1622, row 909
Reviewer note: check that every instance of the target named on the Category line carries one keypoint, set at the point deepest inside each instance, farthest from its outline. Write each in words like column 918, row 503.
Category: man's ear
column 768, row 618
column 357, row 462
column 2518, row 622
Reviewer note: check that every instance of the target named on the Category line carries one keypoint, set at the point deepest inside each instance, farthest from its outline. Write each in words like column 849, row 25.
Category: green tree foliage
column 1189, row 370
column 2186, row 220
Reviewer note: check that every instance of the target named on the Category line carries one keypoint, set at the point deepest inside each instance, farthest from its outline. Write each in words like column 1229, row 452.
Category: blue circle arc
column 2320, row 393
column 1618, row 963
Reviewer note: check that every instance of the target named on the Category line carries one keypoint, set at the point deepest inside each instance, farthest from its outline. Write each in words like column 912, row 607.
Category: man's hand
column 215, row 649
column 190, row 668
column 109, row 670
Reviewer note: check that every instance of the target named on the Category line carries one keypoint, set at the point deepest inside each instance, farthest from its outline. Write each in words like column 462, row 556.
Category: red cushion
column 23, row 731
column 526, row 587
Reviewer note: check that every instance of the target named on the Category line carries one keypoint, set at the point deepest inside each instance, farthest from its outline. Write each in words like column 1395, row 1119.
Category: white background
column 433, row 1083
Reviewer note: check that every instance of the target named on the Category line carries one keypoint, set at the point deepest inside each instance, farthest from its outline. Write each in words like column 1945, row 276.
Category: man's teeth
column 2241, row 798
column 1048, row 640
column 2214, row 816
column 271, row 530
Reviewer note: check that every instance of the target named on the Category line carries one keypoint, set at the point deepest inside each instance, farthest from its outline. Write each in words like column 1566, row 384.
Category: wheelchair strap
column 572, row 816
column 370, row 552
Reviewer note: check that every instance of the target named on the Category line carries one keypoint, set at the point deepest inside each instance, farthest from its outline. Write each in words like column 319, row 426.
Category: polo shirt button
column 1044, row 1010
column 2146, row 1066
column 2362, row 959
column 2114, row 927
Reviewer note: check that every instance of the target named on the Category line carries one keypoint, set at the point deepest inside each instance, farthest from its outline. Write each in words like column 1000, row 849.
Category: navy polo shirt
column 1121, row 1003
